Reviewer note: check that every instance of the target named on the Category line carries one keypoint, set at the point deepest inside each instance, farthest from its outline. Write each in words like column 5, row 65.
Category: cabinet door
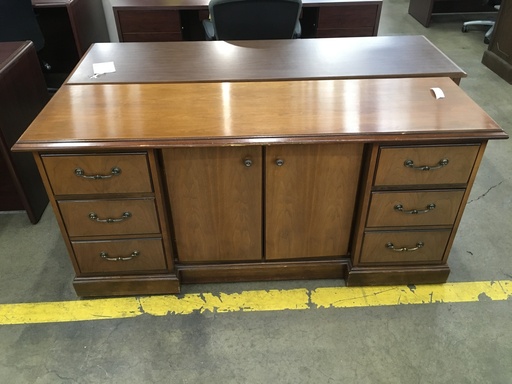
column 310, row 199
column 215, row 197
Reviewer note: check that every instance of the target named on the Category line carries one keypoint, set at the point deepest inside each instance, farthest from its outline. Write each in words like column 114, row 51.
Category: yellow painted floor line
column 251, row 301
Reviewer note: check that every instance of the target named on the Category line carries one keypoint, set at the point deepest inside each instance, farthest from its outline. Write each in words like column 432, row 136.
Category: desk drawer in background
column 98, row 174
column 428, row 165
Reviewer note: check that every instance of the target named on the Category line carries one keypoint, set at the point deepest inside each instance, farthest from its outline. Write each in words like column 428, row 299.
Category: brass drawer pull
column 442, row 163
column 116, row 171
column 93, row 216
column 400, row 208
column 419, row 245
column 104, row 255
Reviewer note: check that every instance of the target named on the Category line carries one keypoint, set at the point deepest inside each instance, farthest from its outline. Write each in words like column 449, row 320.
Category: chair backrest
column 254, row 19
column 18, row 22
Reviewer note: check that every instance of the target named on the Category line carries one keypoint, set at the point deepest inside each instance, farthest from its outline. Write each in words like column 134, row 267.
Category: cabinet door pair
column 253, row 203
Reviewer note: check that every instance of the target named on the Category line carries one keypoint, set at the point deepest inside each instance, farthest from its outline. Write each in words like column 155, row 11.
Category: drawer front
column 109, row 217
column 149, row 21
column 404, row 247
column 425, row 165
column 120, row 256
column 414, row 208
column 347, row 17
column 93, row 174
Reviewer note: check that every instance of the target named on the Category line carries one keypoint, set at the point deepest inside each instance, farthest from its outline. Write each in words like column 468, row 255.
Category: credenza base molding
column 126, row 285
column 397, row 276
column 300, row 270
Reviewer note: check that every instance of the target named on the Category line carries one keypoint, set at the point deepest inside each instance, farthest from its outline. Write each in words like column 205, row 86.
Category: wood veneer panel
column 310, row 199
column 216, row 202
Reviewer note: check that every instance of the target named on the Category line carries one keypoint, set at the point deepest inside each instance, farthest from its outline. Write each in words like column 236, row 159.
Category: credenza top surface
column 253, row 60
column 244, row 113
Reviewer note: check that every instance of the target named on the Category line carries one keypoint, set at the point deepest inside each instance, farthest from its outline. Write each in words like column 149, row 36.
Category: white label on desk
column 101, row 68
column 438, row 93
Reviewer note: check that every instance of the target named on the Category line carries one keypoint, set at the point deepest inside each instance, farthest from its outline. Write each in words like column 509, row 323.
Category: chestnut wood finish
column 218, row 202
column 256, row 60
column 263, row 180
column 293, row 208
column 23, row 95
column 171, row 20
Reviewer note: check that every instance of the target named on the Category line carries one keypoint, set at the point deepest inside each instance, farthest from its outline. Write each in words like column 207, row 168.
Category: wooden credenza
column 176, row 20
column 155, row 185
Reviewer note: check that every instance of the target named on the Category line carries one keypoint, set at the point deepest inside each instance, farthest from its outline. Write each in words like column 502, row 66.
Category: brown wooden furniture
column 498, row 57
column 423, row 10
column 159, row 184
column 201, row 61
column 23, row 95
column 174, row 20
column 69, row 28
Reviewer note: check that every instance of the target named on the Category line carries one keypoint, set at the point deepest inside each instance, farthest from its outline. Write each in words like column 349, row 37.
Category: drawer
column 414, row 208
column 109, row 217
column 118, row 256
column 98, row 174
column 425, row 165
column 149, row 21
column 404, row 247
column 347, row 17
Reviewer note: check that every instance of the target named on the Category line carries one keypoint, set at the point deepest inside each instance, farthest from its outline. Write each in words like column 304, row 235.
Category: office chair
column 485, row 23
column 253, row 19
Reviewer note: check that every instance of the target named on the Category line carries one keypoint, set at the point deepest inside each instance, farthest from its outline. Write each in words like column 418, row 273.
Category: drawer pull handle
column 116, row 171
column 400, row 208
column 419, row 245
column 248, row 163
column 442, row 163
column 94, row 217
column 279, row 162
column 105, row 256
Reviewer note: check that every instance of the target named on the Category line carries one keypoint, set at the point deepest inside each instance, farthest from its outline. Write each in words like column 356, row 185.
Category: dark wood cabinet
column 23, row 95
column 498, row 57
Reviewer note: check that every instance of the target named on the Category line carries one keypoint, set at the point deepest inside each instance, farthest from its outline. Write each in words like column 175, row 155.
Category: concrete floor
column 431, row 343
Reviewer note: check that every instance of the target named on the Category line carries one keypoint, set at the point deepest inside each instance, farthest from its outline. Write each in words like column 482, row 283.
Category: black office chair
column 18, row 22
column 253, row 19
column 484, row 23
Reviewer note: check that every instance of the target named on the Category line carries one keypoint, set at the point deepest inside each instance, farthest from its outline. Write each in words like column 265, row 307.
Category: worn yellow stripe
column 272, row 300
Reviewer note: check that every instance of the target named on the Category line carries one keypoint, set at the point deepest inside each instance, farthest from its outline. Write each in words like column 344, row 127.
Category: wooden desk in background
column 174, row 20
column 69, row 28
column 207, row 61
column 23, row 95
column 423, row 10
column 498, row 57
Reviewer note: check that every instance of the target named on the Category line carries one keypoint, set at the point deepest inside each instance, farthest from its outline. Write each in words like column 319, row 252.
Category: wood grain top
column 193, row 61
column 211, row 114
